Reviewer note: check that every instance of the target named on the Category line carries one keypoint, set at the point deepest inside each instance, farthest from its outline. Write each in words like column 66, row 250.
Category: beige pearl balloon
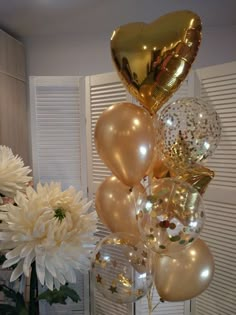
column 125, row 141
column 185, row 275
column 116, row 205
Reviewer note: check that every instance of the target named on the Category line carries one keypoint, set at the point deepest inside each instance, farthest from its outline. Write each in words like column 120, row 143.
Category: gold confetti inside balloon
column 188, row 131
column 172, row 215
column 153, row 59
column 121, row 268
column 183, row 276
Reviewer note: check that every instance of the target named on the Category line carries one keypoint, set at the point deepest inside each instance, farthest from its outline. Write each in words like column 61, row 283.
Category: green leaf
column 60, row 296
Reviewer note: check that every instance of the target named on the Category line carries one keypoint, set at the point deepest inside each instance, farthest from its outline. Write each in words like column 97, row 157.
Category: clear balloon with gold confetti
column 171, row 216
column 188, row 132
column 121, row 268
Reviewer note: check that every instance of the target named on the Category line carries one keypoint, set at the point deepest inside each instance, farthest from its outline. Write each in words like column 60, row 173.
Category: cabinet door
column 178, row 308
column 102, row 91
column 217, row 85
column 12, row 56
column 13, row 116
column 57, row 125
column 3, row 52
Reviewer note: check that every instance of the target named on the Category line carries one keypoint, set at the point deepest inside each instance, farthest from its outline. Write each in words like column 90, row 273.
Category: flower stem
column 33, row 303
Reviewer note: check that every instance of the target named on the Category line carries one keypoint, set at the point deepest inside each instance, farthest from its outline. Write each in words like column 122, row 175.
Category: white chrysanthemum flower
column 52, row 228
column 13, row 173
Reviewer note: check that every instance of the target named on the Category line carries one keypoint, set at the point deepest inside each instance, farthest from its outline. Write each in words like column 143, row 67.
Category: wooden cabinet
column 13, row 106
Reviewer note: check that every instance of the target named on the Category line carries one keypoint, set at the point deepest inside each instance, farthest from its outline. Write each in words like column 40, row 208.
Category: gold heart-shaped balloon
column 153, row 59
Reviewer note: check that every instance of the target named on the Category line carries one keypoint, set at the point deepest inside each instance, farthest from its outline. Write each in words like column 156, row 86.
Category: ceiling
column 24, row 18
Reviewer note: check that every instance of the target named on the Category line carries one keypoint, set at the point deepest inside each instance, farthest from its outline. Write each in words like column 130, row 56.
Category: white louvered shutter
column 57, row 127
column 179, row 308
column 102, row 91
column 218, row 86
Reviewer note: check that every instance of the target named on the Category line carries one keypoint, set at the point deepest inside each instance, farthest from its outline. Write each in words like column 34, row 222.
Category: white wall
column 86, row 55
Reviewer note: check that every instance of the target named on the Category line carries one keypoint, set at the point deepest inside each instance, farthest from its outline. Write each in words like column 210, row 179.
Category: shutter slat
column 57, row 127
column 218, row 86
column 101, row 97
column 166, row 308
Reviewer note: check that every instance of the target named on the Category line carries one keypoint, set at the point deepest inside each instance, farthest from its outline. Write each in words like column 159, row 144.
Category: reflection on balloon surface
column 188, row 132
column 198, row 176
column 125, row 141
column 116, row 205
column 153, row 59
column 184, row 275
column 121, row 268
column 171, row 216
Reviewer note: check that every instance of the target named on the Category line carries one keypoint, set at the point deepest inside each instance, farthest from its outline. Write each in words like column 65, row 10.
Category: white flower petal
column 30, row 192
column 40, row 269
column 49, row 280
column 59, row 247
column 4, row 226
column 50, row 267
column 5, row 236
column 40, row 265
column 20, row 199
column 13, row 173
column 3, row 214
column 87, row 206
column 27, row 263
column 60, row 277
column 26, row 250
column 9, row 262
column 70, row 276
column 17, row 272
column 15, row 252
column 22, row 284
column 57, row 284
column 6, row 245
column 79, row 196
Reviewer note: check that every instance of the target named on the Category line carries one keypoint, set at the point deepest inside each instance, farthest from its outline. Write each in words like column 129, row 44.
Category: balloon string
column 155, row 306
column 149, row 299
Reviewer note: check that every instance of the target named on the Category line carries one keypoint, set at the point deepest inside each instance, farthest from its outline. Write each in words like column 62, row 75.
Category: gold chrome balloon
column 116, row 205
column 183, row 276
column 125, row 141
column 198, row 176
column 153, row 59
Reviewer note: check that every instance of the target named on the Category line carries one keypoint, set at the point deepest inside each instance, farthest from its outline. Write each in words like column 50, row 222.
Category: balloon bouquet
column 152, row 204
